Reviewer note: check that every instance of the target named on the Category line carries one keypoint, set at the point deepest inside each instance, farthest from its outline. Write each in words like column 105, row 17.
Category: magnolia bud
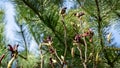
column 109, row 37
column 97, row 58
column 72, row 52
column 62, row 57
column 54, row 61
column 91, row 54
column 63, row 10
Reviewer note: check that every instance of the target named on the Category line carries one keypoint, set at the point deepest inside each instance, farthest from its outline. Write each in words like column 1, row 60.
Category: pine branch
column 99, row 23
column 43, row 20
column 25, row 43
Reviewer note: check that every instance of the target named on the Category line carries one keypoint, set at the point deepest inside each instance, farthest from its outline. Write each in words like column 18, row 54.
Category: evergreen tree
column 73, row 39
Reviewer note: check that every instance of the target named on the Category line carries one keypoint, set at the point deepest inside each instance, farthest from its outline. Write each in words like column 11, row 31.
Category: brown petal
column 10, row 47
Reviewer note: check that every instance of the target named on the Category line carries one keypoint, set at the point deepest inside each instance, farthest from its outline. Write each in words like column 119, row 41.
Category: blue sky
column 115, row 32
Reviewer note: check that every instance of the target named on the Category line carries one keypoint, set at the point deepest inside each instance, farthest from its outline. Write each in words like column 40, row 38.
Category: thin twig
column 85, row 50
column 78, row 47
column 56, row 55
column 22, row 56
column 25, row 43
column 83, row 62
column 41, row 56
column 65, row 36
column 10, row 62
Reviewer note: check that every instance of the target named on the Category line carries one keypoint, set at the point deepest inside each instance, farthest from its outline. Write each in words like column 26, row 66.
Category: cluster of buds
column 78, row 38
column 13, row 50
column 51, row 50
column 89, row 33
column 48, row 40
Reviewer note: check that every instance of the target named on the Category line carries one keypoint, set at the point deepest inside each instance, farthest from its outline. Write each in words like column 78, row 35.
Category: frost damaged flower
column 78, row 39
column 13, row 49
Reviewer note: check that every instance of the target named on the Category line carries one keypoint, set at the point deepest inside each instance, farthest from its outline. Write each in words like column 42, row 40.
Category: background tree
column 71, row 39
column 3, row 50
column 96, row 12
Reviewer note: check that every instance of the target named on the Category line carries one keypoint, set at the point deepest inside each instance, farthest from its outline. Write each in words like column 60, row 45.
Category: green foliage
column 31, row 61
column 2, row 42
column 43, row 17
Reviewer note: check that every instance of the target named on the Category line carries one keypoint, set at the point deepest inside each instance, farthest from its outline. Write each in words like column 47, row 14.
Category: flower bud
column 79, row 14
column 97, row 58
column 51, row 51
column 109, row 37
column 63, row 10
column 78, row 39
column 62, row 57
column 72, row 52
